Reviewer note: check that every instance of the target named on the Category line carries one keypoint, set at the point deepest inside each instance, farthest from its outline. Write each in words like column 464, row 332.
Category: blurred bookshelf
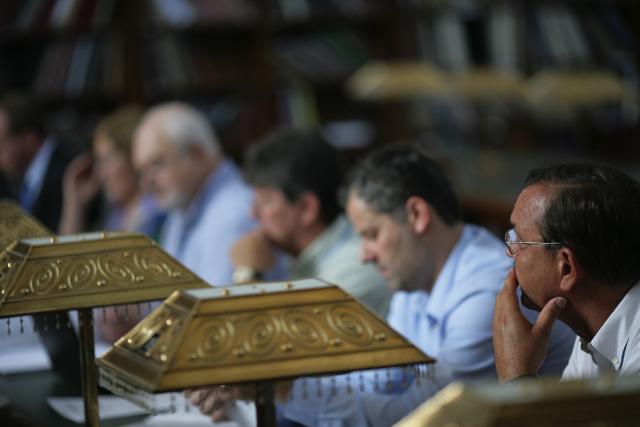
column 524, row 78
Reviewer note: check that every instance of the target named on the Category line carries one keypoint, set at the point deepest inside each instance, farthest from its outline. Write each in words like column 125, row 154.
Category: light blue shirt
column 452, row 324
column 201, row 236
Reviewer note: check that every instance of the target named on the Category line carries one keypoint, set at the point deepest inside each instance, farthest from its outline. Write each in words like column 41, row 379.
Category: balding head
column 181, row 124
column 175, row 149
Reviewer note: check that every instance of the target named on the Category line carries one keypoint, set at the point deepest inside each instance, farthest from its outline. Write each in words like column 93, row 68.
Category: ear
column 568, row 269
column 418, row 213
column 309, row 205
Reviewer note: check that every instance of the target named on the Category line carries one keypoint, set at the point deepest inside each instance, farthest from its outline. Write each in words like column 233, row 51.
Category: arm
column 254, row 253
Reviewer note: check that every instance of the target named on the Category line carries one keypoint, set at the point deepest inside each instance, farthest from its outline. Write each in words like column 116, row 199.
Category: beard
column 172, row 200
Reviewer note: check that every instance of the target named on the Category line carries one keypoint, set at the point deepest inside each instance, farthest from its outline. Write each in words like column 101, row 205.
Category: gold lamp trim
column 87, row 270
column 378, row 80
column 253, row 332
column 575, row 88
column 609, row 400
column 16, row 224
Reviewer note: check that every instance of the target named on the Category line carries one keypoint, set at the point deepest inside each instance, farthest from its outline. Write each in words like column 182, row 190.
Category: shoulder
column 482, row 263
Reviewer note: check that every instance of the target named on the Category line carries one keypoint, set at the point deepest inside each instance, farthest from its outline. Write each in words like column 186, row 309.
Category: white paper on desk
column 185, row 414
column 24, row 352
column 242, row 414
column 23, row 357
column 72, row 408
column 181, row 419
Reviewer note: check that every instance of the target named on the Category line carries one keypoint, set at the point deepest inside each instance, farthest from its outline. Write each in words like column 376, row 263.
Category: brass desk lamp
column 16, row 224
column 253, row 333
column 44, row 275
column 605, row 402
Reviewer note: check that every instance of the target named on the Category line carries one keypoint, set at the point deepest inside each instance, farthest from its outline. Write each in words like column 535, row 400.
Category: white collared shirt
column 615, row 349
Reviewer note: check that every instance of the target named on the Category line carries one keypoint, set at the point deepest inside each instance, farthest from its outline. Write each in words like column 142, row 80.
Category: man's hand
column 112, row 323
column 253, row 250
column 215, row 402
column 520, row 347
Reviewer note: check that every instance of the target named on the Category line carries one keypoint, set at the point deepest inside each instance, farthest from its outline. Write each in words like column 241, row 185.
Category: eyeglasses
column 514, row 245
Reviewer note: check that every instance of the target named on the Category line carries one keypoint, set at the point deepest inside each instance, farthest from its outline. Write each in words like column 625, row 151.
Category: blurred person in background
column 181, row 163
column 32, row 160
column 109, row 169
column 296, row 176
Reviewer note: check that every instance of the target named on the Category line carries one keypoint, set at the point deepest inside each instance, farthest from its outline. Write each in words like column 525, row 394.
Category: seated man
column 447, row 274
column 182, row 165
column 575, row 234
column 296, row 176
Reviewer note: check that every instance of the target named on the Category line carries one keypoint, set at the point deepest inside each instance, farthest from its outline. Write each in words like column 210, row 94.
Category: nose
column 366, row 253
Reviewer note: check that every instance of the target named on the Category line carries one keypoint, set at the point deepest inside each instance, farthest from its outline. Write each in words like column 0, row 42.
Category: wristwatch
column 245, row 274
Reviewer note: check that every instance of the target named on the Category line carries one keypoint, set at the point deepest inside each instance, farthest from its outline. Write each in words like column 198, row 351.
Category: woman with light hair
column 108, row 168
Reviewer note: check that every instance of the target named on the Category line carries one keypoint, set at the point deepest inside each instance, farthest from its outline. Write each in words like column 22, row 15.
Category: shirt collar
column 321, row 246
column 34, row 176
column 611, row 340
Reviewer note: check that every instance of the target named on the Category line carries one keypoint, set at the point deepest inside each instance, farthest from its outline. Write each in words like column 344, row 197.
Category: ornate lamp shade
column 377, row 81
column 251, row 333
column 488, row 84
column 575, row 88
column 16, row 224
column 606, row 401
column 87, row 270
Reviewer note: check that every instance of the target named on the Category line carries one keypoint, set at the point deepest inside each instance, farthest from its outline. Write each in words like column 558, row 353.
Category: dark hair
column 22, row 112
column 595, row 211
column 387, row 177
column 295, row 161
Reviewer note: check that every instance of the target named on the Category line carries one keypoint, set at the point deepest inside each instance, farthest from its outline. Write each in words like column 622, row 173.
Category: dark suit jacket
column 48, row 206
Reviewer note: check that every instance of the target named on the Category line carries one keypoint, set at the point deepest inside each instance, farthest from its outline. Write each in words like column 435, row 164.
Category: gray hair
column 184, row 126
column 387, row 177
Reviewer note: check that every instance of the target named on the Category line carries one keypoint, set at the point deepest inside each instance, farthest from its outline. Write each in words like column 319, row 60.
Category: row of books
column 175, row 65
column 187, row 13
column 300, row 10
column 323, row 57
column 43, row 15
column 523, row 39
column 90, row 65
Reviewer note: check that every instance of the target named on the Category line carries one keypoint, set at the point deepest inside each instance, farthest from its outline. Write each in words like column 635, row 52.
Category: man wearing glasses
column 574, row 243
